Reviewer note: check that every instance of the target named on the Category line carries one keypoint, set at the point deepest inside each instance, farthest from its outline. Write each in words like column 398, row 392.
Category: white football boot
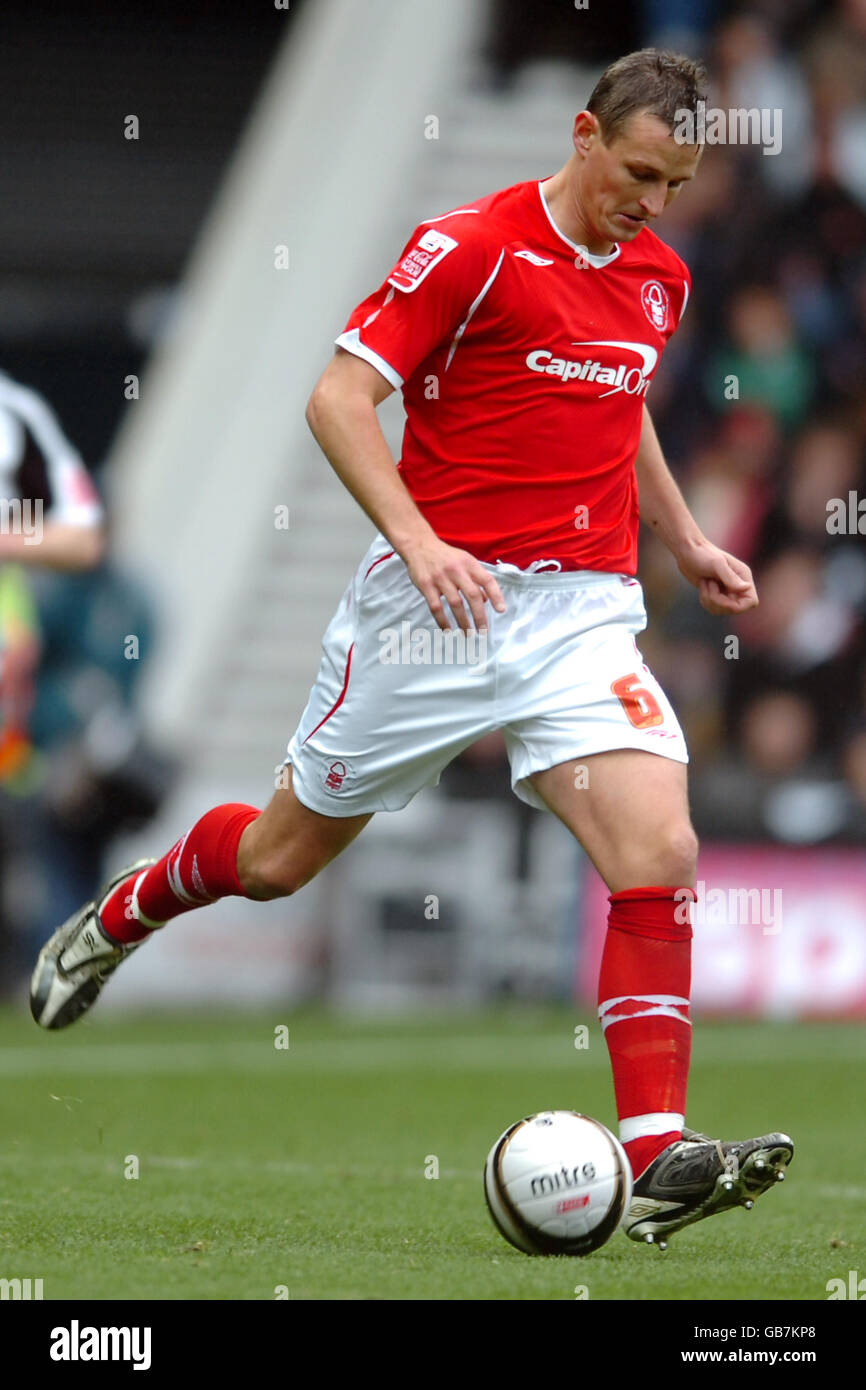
column 76, row 961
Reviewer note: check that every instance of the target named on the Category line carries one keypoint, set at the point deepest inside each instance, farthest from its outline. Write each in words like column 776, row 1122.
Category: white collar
column 597, row 262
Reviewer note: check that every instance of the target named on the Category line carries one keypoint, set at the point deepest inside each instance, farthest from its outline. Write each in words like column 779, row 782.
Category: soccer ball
column 557, row 1183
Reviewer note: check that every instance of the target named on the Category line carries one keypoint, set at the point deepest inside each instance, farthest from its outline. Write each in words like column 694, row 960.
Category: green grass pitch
column 267, row 1171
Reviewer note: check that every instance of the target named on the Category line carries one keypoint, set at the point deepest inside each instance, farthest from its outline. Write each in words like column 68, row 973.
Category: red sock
column 643, row 998
column 198, row 870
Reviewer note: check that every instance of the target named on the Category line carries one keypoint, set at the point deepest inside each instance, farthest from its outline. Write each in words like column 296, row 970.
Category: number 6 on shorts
column 641, row 706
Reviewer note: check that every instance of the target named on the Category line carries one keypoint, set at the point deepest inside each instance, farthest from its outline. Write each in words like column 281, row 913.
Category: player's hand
column 453, row 581
column 724, row 583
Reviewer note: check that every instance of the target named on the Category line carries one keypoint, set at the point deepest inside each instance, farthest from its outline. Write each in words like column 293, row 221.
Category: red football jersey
column 524, row 364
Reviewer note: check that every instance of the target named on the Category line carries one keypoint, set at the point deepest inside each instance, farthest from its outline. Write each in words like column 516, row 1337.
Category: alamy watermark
column 739, row 125
column 22, row 516
column 21, row 1289
column 846, row 516
column 739, row 907
column 421, row 646
column 853, row 1288
column 77, row 1343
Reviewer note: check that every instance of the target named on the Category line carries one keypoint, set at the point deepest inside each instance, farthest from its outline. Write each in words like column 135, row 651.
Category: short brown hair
column 656, row 81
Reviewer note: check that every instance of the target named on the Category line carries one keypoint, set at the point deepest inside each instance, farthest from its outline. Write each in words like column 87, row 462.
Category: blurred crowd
column 760, row 405
column 763, row 414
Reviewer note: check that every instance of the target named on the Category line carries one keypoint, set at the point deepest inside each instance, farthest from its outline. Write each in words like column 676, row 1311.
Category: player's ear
column 586, row 129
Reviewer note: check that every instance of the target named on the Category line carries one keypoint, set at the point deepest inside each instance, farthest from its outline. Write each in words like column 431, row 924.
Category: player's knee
column 678, row 854
column 275, row 876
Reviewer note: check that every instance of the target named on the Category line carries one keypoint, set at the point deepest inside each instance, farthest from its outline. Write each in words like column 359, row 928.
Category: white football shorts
column 396, row 699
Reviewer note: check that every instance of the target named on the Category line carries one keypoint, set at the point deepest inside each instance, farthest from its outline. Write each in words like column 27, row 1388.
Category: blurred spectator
column 804, row 637
column 677, row 24
column 729, row 483
column 96, row 778
column 752, row 71
column 51, row 512
column 762, row 362
column 50, row 516
column 19, row 658
column 774, row 784
column 835, row 63
column 69, row 775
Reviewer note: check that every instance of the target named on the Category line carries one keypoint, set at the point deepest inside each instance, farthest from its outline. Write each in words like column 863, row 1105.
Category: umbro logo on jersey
column 532, row 258
column 621, row 377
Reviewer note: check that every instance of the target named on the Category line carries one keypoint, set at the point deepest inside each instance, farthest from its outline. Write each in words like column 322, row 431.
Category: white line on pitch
column 354, row 1055
column 295, row 1167
column 510, row 1052
column 279, row 1167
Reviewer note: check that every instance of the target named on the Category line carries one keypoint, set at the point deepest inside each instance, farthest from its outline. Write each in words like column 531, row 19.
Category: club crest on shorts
column 337, row 773
column 654, row 298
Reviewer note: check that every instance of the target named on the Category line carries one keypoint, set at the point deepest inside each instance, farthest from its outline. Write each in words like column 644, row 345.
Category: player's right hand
column 453, row 581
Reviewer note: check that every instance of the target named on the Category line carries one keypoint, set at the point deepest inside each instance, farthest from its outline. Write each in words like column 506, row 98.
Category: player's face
column 624, row 185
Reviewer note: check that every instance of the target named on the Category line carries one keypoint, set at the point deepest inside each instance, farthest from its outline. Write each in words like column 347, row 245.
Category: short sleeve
column 423, row 300
column 686, row 289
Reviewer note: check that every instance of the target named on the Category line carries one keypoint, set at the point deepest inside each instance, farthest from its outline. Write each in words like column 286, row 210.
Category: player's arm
column 56, row 545
column 61, row 513
column 341, row 413
column 724, row 583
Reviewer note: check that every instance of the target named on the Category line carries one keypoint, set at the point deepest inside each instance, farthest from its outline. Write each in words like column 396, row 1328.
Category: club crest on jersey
column 654, row 298
column 428, row 251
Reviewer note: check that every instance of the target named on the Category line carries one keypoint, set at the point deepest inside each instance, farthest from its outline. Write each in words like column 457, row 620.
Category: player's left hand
column 724, row 583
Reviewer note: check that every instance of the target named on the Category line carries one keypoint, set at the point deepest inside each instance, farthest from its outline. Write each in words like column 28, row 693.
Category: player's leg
column 629, row 810
column 371, row 736
column 592, row 736
column 288, row 844
column 232, row 850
